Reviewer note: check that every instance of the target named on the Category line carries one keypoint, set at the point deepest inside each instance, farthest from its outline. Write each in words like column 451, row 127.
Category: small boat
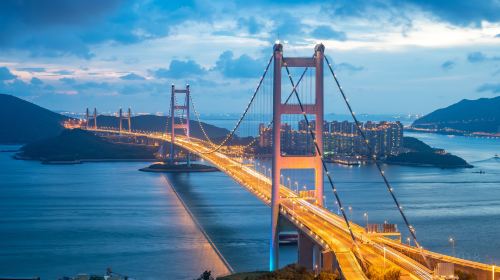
column 496, row 156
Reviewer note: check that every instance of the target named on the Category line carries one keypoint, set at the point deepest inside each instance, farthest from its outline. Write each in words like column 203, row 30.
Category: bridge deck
column 325, row 227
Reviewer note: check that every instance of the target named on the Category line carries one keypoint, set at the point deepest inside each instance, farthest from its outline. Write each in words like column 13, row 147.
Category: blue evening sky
column 392, row 56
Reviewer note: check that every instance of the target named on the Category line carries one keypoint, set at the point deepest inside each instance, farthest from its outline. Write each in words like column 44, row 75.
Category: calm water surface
column 59, row 220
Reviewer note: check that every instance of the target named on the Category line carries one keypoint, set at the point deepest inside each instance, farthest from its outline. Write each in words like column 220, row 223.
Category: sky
column 391, row 56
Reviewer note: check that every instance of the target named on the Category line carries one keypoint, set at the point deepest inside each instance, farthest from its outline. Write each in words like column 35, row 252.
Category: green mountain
column 466, row 116
column 77, row 144
column 23, row 122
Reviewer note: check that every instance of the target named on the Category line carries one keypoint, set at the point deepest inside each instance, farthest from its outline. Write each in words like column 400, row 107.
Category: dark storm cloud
column 59, row 27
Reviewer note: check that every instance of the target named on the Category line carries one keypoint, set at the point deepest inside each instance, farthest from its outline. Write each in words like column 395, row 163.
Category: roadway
column 326, row 228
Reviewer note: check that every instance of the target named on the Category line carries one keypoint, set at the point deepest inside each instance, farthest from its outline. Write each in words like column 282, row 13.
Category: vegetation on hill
column 415, row 145
column 23, row 122
column 78, row 144
column 422, row 154
column 467, row 116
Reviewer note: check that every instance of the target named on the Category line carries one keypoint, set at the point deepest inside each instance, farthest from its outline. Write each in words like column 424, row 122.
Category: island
column 417, row 153
column 76, row 146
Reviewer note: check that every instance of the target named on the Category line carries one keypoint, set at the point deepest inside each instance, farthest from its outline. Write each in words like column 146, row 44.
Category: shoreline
column 450, row 133
column 427, row 165
column 80, row 161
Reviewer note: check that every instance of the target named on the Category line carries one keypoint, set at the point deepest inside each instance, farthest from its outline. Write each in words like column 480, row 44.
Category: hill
column 76, row 144
column 420, row 154
column 466, row 116
column 23, row 122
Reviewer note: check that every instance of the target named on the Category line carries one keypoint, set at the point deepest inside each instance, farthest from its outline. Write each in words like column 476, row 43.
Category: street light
column 408, row 240
column 366, row 218
column 296, row 187
column 350, row 212
column 452, row 242
column 289, row 182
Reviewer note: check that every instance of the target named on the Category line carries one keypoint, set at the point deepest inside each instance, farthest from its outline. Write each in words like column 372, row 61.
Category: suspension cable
column 233, row 131
column 325, row 168
column 411, row 229
column 198, row 119
column 286, row 102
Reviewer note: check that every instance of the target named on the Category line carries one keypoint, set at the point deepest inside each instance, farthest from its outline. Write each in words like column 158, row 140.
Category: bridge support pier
column 305, row 251
column 309, row 253
column 311, row 256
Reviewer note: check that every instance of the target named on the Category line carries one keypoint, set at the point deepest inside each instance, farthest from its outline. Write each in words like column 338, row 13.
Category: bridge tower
column 129, row 119
column 281, row 162
column 87, row 118
column 175, row 109
column 95, row 118
column 120, row 116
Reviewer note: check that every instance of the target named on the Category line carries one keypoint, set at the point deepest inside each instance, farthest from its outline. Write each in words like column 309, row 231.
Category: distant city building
column 340, row 138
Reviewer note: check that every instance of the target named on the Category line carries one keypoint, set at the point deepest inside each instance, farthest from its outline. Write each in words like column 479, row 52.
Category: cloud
column 326, row 32
column 287, row 27
column 64, row 72
column 458, row 12
column 497, row 36
column 476, row 57
column 250, row 24
column 241, row 67
column 132, row 77
column 32, row 69
column 59, row 28
column 10, row 84
column 347, row 67
column 36, row 82
column 5, row 74
column 493, row 88
column 462, row 12
column 180, row 69
column 68, row 81
column 448, row 65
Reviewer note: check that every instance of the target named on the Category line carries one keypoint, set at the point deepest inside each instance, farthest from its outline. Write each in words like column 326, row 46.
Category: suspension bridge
column 327, row 241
